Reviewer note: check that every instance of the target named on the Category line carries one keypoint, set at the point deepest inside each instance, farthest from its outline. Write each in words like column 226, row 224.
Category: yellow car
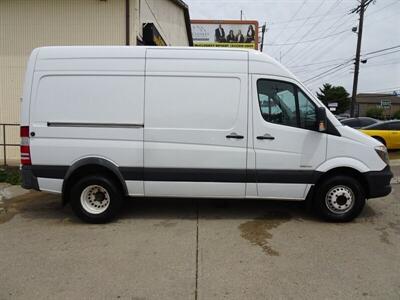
column 388, row 133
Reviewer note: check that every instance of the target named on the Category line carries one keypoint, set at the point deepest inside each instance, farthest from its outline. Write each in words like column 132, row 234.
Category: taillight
column 25, row 149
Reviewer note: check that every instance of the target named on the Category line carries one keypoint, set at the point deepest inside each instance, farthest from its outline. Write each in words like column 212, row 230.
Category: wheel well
column 345, row 171
column 379, row 138
column 84, row 171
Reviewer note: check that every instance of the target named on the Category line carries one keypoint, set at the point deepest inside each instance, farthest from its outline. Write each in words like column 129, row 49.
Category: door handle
column 266, row 136
column 234, row 135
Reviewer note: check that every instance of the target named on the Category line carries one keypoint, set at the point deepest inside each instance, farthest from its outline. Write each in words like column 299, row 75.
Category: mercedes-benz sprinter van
column 102, row 123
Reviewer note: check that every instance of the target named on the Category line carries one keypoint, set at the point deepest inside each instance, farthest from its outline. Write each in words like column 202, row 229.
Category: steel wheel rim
column 340, row 199
column 95, row 199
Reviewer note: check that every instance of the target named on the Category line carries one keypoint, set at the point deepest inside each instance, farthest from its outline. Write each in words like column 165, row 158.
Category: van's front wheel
column 95, row 199
column 339, row 198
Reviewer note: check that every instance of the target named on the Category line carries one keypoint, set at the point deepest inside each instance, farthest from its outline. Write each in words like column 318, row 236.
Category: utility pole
column 262, row 36
column 241, row 15
column 360, row 9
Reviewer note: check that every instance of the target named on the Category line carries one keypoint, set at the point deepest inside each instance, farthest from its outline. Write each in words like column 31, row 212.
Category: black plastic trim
column 288, row 176
column 183, row 174
column 96, row 161
column 95, row 125
column 379, row 182
column 29, row 180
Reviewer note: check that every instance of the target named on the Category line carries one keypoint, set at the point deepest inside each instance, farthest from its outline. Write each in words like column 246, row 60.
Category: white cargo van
column 103, row 123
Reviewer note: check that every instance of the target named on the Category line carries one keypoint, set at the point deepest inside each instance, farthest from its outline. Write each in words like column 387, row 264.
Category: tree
column 396, row 115
column 338, row 94
column 375, row 112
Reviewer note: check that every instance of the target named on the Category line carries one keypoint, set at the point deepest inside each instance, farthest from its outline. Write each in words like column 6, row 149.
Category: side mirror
column 322, row 122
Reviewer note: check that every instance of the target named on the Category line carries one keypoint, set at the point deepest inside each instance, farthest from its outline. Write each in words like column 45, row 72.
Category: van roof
column 259, row 63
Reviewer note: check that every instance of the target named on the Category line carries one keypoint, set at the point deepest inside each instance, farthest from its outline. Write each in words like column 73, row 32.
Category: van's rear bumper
column 379, row 182
column 29, row 180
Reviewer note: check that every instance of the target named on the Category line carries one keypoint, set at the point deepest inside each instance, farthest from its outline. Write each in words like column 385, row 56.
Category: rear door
column 287, row 146
column 195, row 133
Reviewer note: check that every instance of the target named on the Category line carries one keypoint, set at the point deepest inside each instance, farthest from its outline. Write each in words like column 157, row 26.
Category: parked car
column 340, row 118
column 103, row 123
column 359, row 122
column 388, row 133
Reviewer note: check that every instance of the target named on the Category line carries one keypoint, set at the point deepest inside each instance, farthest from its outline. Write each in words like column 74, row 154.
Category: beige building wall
column 388, row 112
column 169, row 19
column 28, row 24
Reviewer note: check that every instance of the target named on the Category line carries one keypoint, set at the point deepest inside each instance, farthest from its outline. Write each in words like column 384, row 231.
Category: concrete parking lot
column 198, row 249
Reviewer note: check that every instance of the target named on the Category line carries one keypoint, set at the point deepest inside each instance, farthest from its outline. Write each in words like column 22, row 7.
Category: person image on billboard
column 220, row 34
column 250, row 34
column 230, row 38
column 240, row 37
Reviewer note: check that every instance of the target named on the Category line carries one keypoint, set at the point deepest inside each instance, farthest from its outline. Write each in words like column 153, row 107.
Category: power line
column 294, row 33
column 371, row 57
column 301, row 19
column 363, row 6
column 322, row 52
column 336, row 75
column 382, row 8
column 313, row 70
column 294, row 15
column 309, row 41
column 312, row 28
column 318, row 52
column 325, row 73
column 381, row 50
column 382, row 90
column 383, row 54
column 318, row 63
column 332, row 27
column 381, row 65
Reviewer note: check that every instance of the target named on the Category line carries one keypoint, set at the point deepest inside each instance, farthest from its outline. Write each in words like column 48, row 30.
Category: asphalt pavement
column 198, row 249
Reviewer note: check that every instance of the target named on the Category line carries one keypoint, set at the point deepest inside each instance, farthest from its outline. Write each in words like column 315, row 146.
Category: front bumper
column 29, row 180
column 379, row 182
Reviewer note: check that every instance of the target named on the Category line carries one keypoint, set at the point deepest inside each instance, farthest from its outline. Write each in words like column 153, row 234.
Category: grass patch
column 10, row 175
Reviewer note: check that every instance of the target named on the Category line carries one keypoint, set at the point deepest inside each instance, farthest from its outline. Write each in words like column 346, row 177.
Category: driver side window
column 285, row 104
column 277, row 102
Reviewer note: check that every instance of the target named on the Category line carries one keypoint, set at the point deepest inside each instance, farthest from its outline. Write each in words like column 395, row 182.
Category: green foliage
column 396, row 115
column 329, row 93
column 10, row 175
column 375, row 112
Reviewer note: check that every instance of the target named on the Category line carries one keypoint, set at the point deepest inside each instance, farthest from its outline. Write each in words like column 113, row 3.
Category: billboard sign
column 225, row 33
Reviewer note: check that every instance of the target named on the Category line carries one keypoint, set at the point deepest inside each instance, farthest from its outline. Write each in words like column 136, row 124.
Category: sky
column 318, row 42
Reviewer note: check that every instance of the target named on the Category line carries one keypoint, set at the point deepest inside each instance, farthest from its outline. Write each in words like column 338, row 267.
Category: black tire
column 345, row 202
column 113, row 197
column 378, row 138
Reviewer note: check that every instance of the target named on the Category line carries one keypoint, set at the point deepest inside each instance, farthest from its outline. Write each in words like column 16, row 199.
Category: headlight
column 383, row 154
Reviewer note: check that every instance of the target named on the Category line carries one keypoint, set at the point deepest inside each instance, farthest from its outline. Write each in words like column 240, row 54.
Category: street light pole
column 357, row 59
column 262, row 37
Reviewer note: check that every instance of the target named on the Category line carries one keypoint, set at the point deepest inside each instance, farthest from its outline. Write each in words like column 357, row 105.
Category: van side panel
column 192, row 104
column 83, row 113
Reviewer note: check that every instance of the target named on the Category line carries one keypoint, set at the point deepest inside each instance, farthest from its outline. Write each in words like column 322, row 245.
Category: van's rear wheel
column 95, row 199
column 339, row 199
